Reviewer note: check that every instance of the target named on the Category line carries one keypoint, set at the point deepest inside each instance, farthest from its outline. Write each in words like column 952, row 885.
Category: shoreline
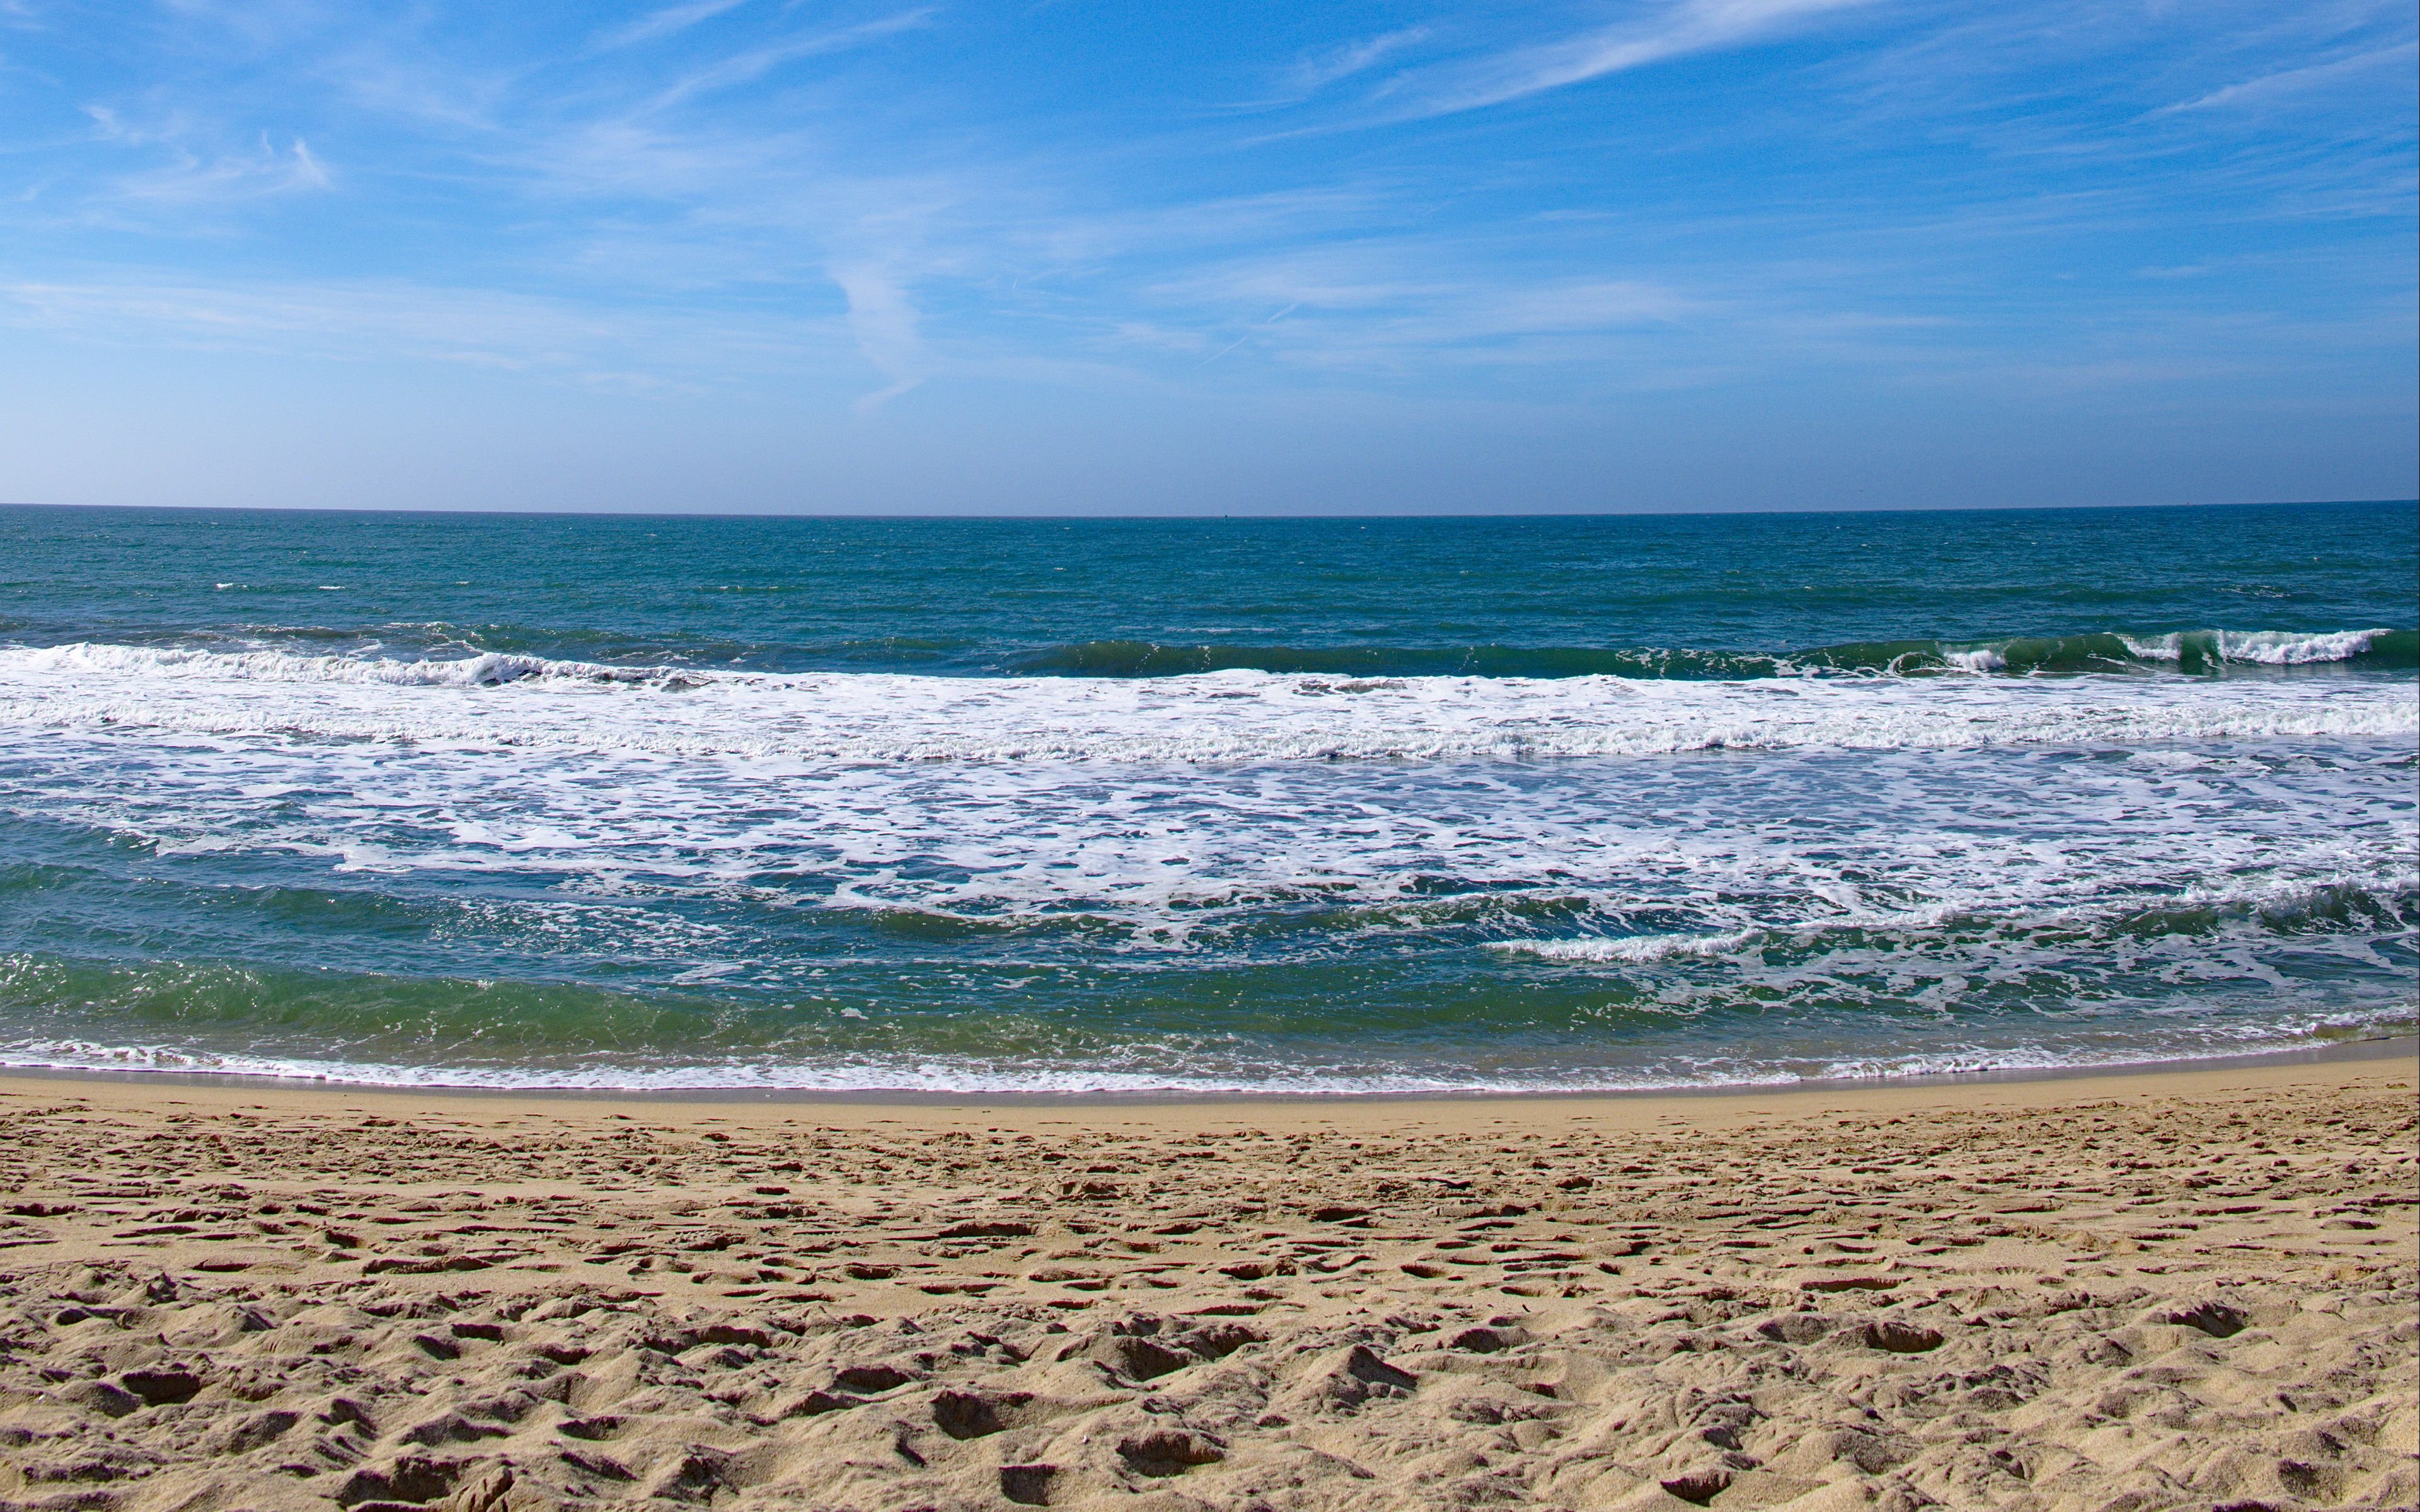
column 2401, row 1046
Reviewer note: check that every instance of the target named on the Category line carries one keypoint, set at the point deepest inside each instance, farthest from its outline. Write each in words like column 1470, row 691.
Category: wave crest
column 2202, row 649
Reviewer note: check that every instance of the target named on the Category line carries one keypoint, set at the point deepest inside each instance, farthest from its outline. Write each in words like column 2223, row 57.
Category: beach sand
column 2115, row 1293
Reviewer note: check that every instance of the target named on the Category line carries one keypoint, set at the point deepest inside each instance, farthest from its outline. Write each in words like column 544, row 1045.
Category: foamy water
column 530, row 704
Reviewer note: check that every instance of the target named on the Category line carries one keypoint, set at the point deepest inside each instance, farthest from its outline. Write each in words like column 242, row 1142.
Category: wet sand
column 2115, row 1293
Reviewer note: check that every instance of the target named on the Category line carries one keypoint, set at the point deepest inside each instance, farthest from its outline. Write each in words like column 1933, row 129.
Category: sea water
column 1205, row 805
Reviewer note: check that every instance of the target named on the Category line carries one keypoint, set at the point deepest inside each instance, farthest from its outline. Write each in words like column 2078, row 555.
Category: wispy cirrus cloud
column 668, row 22
column 1390, row 310
column 747, row 67
column 377, row 319
column 1674, row 31
column 1311, row 75
column 192, row 175
column 2288, row 83
column 264, row 171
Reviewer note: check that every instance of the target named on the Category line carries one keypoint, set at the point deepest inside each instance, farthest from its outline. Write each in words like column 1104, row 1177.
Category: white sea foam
column 1632, row 950
column 504, row 702
column 1983, row 660
column 1162, row 804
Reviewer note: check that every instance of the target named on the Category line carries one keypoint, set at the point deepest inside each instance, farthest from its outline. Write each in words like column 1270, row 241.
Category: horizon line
column 1177, row 515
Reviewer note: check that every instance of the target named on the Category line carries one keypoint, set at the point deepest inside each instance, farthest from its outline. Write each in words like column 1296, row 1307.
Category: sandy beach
column 2184, row 1289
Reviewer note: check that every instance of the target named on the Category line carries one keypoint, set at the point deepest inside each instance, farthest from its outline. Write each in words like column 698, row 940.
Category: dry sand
column 2121, row 1293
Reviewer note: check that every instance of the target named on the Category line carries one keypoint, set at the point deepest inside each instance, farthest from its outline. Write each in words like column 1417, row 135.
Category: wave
column 2387, row 906
column 2198, row 651
column 491, row 668
column 449, row 655
column 492, row 703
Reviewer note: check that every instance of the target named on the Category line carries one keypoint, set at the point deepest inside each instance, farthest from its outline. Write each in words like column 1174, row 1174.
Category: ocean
column 1202, row 805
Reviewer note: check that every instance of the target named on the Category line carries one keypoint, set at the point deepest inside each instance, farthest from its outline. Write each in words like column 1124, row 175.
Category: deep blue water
column 1203, row 803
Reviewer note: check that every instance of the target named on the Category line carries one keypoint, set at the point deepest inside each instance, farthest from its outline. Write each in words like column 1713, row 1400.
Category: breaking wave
column 2198, row 651
column 1218, row 717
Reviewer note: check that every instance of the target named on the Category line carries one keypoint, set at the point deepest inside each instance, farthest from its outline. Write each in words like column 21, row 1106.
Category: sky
column 1077, row 256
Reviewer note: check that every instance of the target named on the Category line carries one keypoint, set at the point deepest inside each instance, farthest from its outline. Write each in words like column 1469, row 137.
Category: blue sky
column 746, row 254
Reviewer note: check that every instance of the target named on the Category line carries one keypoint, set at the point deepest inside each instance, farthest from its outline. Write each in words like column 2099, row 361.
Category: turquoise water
column 1202, row 804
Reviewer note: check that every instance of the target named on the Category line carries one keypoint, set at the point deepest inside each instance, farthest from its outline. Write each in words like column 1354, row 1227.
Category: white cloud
column 885, row 324
column 1316, row 73
column 665, row 22
column 257, row 173
column 1394, row 309
column 380, row 320
column 743, row 67
column 2289, row 83
column 1678, row 30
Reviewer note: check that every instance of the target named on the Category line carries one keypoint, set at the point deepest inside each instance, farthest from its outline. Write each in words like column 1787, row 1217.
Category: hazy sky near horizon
column 782, row 254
